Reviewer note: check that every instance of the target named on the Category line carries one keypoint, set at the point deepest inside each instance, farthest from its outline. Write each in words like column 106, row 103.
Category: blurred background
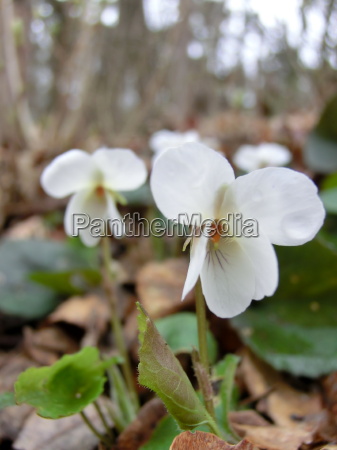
column 112, row 72
column 147, row 74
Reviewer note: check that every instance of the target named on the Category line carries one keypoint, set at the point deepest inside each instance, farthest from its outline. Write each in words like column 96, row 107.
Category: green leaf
column 71, row 282
column 180, row 331
column 226, row 369
column 296, row 329
column 321, row 149
column 320, row 153
column 66, row 387
column 141, row 196
column 7, row 399
column 46, row 262
column 327, row 125
column 329, row 182
column 163, row 435
column 160, row 371
column 329, row 199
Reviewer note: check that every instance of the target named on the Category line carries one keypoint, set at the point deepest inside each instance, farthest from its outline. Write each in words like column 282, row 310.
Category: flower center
column 216, row 231
column 100, row 191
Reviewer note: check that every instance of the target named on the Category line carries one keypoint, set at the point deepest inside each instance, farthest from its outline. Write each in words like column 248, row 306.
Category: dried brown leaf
column 140, row 430
column 90, row 313
column 160, row 285
column 247, row 417
column 285, row 405
column 69, row 433
column 46, row 345
column 31, row 228
column 201, row 440
column 330, row 391
column 273, row 437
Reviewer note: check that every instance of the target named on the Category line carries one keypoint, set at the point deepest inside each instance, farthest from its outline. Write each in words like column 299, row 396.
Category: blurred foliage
column 295, row 330
column 163, row 435
column 321, row 149
column 182, row 339
column 35, row 272
column 6, row 399
column 328, row 193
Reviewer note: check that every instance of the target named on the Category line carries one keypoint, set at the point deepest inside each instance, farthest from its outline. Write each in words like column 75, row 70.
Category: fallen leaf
column 247, row 417
column 69, row 433
column 160, row 285
column 140, row 430
column 45, row 346
column 201, row 440
column 33, row 227
column 285, row 405
column 330, row 390
column 13, row 417
column 90, row 313
column 274, row 437
column 327, row 428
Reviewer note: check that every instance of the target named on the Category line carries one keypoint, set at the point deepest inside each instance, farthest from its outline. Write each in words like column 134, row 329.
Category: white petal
column 68, row 173
column 246, row 158
column 264, row 261
column 163, row 139
column 198, row 254
column 272, row 154
column 186, row 179
column 115, row 222
column 284, row 202
column 82, row 210
column 122, row 169
column 227, row 278
column 267, row 154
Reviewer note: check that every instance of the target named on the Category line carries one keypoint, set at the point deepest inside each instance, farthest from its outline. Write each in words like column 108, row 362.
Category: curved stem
column 100, row 436
column 117, row 326
column 101, row 416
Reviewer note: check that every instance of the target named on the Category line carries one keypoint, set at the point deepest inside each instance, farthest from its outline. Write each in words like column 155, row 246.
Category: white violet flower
column 94, row 180
column 266, row 154
column 234, row 268
column 164, row 139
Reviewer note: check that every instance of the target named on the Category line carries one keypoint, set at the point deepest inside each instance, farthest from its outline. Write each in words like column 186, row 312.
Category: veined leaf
column 226, row 369
column 66, row 387
column 160, row 371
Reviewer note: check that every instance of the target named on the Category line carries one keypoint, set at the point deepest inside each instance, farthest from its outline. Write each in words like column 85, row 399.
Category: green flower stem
column 101, row 416
column 118, row 394
column 116, row 324
column 114, row 414
column 203, row 352
column 100, row 436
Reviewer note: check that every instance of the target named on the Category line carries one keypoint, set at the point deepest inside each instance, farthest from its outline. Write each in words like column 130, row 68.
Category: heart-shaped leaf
column 66, row 387
column 296, row 329
column 55, row 267
column 182, row 339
